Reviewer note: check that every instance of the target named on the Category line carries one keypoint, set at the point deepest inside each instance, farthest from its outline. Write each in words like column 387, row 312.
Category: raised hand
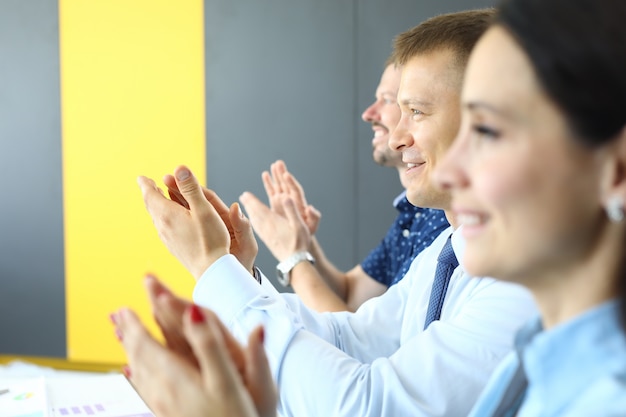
column 281, row 183
column 242, row 242
column 168, row 310
column 193, row 232
column 283, row 234
column 223, row 379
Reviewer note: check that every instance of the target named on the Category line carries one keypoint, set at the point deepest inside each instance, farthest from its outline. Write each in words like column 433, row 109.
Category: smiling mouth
column 412, row 165
column 469, row 219
column 379, row 128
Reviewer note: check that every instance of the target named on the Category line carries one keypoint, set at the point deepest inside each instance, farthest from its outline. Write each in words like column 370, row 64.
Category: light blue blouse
column 577, row 369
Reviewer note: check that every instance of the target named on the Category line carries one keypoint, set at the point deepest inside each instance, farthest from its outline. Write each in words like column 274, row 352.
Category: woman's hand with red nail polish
column 217, row 377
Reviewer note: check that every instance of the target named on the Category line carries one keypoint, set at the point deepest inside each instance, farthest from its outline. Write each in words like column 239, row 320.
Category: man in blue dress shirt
column 325, row 287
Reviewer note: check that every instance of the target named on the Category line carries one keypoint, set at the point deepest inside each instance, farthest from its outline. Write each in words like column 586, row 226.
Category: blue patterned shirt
column 413, row 231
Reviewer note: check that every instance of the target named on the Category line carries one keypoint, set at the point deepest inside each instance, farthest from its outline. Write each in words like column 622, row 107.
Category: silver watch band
column 284, row 268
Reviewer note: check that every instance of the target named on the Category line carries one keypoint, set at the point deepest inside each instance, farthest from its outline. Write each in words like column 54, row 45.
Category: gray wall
column 285, row 79
column 32, row 293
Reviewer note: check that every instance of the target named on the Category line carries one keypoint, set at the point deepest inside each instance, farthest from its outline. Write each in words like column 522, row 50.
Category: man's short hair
column 457, row 32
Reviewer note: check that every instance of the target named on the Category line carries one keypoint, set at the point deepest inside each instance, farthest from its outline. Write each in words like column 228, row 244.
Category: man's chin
column 385, row 160
column 429, row 199
column 379, row 158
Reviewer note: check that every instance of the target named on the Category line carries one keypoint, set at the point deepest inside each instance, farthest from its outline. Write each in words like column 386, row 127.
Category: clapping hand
column 195, row 224
column 202, row 370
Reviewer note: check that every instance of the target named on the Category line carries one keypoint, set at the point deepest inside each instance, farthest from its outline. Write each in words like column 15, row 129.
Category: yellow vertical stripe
column 132, row 97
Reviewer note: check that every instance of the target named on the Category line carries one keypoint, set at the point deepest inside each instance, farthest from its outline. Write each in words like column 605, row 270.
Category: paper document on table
column 23, row 397
column 109, row 395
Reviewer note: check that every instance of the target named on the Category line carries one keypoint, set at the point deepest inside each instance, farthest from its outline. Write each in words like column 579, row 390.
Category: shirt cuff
column 226, row 287
column 267, row 285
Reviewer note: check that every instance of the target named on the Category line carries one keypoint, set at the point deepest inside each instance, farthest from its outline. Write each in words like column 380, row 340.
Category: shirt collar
column 561, row 362
column 402, row 204
column 401, row 199
column 458, row 244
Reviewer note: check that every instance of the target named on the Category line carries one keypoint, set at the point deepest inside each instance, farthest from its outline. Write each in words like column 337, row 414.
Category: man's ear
column 613, row 187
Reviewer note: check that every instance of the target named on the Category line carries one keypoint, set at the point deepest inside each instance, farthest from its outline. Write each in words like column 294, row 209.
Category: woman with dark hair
column 538, row 177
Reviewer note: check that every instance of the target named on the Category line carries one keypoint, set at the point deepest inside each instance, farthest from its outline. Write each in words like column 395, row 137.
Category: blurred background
column 95, row 93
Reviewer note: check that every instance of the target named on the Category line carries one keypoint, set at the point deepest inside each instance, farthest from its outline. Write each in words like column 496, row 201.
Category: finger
column 153, row 371
column 235, row 350
column 153, row 196
column 168, row 311
column 154, row 287
column 208, row 344
column 292, row 213
column 137, row 343
column 268, row 184
column 233, row 347
column 171, row 311
column 222, row 209
column 294, row 185
column 241, row 224
column 295, row 191
column 258, row 376
column 313, row 217
column 170, row 181
column 313, row 213
column 275, row 178
column 173, row 191
column 278, row 170
column 257, row 211
column 215, row 200
column 190, row 188
column 244, row 236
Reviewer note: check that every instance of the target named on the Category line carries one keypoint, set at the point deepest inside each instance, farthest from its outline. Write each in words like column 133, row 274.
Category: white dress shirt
column 377, row 361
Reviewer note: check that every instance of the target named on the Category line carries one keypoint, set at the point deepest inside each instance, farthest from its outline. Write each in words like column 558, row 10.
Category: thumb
column 313, row 217
column 241, row 224
column 189, row 187
column 313, row 213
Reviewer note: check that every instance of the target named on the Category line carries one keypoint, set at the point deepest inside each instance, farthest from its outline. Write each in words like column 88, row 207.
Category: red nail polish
column 112, row 318
column 126, row 371
column 118, row 334
column 196, row 314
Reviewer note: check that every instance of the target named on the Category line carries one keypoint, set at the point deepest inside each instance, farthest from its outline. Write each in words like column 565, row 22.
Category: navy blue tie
column 446, row 263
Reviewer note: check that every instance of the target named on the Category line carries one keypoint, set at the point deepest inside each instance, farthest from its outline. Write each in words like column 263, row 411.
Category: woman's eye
column 415, row 112
column 486, row 131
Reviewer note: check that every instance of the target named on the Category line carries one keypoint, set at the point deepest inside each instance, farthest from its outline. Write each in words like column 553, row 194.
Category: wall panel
column 32, row 296
column 132, row 94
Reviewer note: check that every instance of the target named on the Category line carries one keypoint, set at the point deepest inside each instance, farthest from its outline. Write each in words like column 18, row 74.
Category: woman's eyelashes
column 484, row 131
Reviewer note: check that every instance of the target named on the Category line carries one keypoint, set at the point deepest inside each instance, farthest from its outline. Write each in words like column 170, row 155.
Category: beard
column 387, row 157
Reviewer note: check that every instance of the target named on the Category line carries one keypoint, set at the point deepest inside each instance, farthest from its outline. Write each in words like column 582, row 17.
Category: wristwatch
column 284, row 267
